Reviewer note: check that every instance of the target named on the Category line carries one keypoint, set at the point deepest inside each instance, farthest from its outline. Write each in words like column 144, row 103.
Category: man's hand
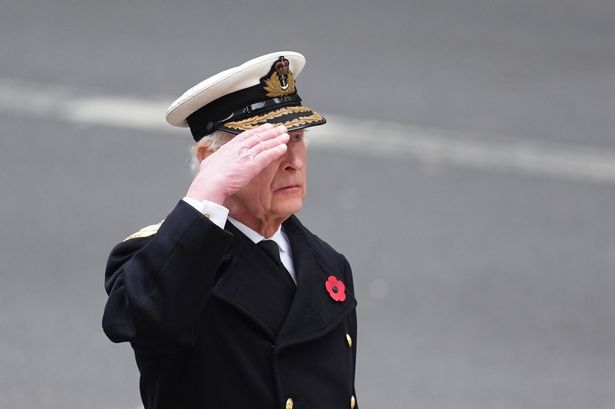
column 238, row 161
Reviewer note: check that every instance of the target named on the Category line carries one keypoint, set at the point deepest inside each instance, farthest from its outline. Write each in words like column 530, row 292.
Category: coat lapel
column 313, row 312
column 255, row 285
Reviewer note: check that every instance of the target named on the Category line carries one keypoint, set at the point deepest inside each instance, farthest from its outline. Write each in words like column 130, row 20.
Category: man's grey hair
column 213, row 142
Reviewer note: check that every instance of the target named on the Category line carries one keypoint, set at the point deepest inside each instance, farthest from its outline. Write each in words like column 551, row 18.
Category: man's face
column 277, row 191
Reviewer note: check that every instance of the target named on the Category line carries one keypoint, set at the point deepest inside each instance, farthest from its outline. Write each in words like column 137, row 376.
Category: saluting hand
column 237, row 162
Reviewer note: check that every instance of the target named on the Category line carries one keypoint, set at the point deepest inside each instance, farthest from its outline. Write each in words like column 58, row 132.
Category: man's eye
column 296, row 138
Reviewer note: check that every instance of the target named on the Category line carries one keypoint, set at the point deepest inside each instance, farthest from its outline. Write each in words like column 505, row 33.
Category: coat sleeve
column 158, row 285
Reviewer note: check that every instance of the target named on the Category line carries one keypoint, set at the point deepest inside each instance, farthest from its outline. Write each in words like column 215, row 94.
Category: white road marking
column 433, row 146
column 367, row 137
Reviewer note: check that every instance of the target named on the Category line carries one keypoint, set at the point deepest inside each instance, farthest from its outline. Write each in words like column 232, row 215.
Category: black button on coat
column 215, row 324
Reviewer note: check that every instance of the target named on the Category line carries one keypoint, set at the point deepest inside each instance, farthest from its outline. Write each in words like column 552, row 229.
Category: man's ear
column 203, row 151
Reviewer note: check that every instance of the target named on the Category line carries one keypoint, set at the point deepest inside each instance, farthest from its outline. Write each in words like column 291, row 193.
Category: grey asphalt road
column 477, row 286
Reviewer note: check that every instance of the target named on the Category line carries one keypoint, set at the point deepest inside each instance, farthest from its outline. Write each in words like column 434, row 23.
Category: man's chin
column 289, row 206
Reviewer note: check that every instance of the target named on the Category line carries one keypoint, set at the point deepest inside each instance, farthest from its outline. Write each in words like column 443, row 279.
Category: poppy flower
column 336, row 288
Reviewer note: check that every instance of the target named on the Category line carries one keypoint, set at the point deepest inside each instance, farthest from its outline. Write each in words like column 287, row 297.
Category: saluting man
column 230, row 302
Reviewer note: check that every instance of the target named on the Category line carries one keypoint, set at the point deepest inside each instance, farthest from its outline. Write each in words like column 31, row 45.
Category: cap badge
column 280, row 80
column 336, row 289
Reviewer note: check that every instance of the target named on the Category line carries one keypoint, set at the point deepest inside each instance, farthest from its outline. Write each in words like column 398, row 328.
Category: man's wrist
column 214, row 197
column 208, row 190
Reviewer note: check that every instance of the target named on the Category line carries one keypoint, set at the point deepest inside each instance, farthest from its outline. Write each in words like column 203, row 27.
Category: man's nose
column 293, row 159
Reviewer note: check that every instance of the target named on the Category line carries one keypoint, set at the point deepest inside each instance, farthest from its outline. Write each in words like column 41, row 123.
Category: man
column 231, row 302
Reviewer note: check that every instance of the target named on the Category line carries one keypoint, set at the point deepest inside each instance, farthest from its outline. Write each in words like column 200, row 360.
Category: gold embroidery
column 144, row 232
column 281, row 82
column 270, row 117
column 274, row 87
column 303, row 120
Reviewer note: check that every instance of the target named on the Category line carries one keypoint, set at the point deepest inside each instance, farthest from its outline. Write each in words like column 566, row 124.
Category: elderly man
column 231, row 302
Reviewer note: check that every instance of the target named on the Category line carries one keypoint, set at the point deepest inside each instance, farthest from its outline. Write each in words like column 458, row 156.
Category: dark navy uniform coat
column 216, row 324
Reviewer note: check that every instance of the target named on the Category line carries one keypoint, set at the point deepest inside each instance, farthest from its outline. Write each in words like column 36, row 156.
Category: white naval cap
column 262, row 90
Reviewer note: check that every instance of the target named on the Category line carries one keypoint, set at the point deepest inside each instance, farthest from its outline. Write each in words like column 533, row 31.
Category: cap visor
column 292, row 117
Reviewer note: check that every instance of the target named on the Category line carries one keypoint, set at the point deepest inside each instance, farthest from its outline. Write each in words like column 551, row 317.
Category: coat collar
column 256, row 286
column 313, row 312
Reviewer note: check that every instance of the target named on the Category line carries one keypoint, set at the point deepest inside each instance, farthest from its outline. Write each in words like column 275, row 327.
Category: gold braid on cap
column 270, row 117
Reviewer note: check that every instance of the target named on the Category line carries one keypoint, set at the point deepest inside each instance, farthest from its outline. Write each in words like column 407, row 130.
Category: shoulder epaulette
column 144, row 232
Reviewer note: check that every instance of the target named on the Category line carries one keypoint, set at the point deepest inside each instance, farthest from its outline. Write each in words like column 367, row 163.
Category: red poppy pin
column 336, row 289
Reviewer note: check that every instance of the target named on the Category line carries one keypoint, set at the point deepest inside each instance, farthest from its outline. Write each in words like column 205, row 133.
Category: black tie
column 271, row 248
column 273, row 251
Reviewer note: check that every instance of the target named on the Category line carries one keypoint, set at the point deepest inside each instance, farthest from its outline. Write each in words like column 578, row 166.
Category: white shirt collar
column 279, row 236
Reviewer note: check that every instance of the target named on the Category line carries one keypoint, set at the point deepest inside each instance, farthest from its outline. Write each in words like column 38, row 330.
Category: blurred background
column 467, row 172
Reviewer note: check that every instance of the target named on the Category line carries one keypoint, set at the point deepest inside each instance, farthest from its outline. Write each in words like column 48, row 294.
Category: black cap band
column 251, row 102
